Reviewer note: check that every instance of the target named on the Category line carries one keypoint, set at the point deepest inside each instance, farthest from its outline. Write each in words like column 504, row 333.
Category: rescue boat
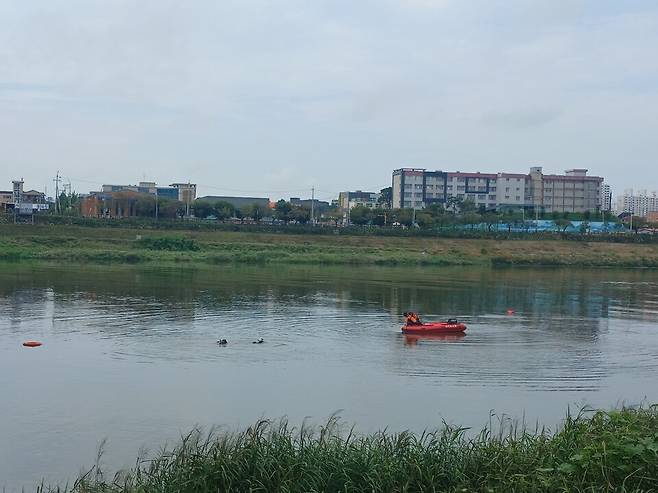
column 451, row 326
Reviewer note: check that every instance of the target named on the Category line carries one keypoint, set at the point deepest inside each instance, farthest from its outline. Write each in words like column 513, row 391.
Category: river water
column 130, row 353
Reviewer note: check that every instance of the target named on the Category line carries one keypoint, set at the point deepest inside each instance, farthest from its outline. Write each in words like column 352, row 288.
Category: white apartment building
column 637, row 204
column 606, row 198
column 572, row 192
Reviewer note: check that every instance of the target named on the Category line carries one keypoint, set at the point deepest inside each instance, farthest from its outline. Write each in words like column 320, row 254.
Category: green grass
column 603, row 451
column 101, row 245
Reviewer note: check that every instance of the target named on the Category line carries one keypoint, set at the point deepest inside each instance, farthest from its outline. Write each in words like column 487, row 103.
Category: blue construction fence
column 548, row 225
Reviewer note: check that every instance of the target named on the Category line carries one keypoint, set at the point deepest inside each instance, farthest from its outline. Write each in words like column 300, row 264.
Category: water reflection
column 130, row 351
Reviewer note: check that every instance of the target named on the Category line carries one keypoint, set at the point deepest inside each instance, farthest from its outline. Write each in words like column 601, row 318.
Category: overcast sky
column 270, row 98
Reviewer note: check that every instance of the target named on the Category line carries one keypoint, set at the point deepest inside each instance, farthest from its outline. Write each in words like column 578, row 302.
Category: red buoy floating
column 32, row 344
column 510, row 312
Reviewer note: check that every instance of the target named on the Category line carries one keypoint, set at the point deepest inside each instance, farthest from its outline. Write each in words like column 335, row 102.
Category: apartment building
column 572, row 192
column 606, row 198
column 349, row 200
column 639, row 203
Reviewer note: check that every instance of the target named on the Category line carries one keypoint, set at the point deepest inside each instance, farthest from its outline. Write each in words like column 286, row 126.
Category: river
column 130, row 352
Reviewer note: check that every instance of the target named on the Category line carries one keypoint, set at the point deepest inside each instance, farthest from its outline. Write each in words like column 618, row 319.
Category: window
column 493, row 189
column 407, row 185
column 518, row 198
column 492, row 197
column 407, row 195
column 461, row 189
column 507, row 197
column 507, row 189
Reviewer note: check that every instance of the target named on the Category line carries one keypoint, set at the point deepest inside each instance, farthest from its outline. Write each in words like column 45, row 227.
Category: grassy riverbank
column 84, row 244
column 614, row 451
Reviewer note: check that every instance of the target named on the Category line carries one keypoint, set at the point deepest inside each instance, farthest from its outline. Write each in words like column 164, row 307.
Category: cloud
column 337, row 91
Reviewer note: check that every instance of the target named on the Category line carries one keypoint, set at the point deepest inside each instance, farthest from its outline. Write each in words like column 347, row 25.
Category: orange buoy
column 31, row 344
column 510, row 312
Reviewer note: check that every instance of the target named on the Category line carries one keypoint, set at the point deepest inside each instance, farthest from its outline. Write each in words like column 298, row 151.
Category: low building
column 318, row 205
column 183, row 192
column 25, row 202
column 652, row 217
column 349, row 200
column 238, row 202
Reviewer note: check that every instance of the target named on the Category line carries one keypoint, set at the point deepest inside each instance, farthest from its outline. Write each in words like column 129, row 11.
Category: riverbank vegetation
column 603, row 451
column 128, row 245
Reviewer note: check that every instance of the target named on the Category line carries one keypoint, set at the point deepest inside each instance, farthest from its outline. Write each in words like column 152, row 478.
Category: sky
column 273, row 98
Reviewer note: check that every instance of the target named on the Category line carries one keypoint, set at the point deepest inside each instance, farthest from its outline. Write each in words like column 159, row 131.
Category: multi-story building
column 572, row 192
column 349, row 200
column 606, row 198
column 637, row 204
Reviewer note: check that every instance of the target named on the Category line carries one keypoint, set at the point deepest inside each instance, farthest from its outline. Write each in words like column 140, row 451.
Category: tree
column 454, row 204
column 386, row 197
column 259, row 211
column 436, row 209
column 170, row 209
column 490, row 218
column 145, row 206
column 360, row 215
column 300, row 214
column 224, row 210
column 424, row 219
column 587, row 215
column 470, row 218
column 404, row 216
column 334, row 214
column 563, row 224
column 282, row 211
column 584, row 227
column 203, row 208
column 467, row 205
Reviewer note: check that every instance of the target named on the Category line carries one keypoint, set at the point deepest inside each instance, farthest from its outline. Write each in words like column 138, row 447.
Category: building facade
column 183, row 192
column 574, row 191
column 639, row 203
column 349, row 200
column 19, row 199
column 606, row 198
column 316, row 204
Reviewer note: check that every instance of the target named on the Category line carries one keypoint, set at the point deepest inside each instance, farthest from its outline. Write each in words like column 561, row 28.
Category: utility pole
column 156, row 203
column 313, row 206
column 57, row 180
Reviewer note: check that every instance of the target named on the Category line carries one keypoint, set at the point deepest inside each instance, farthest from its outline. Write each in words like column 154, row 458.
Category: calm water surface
column 129, row 352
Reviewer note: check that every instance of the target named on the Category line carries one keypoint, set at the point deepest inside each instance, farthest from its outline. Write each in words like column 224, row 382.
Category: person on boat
column 412, row 319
